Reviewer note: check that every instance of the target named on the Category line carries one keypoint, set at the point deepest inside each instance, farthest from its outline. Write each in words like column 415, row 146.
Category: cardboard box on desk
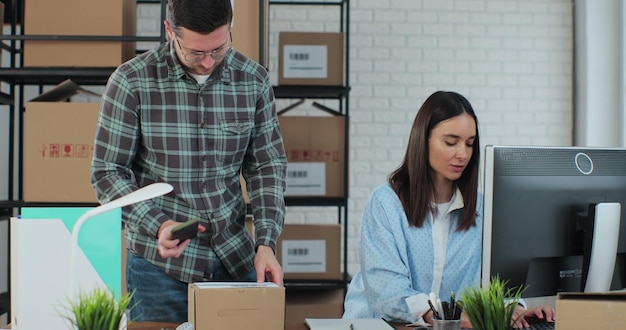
column 315, row 154
column 311, row 58
column 590, row 310
column 79, row 18
column 310, row 252
column 58, row 147
column 233, row 305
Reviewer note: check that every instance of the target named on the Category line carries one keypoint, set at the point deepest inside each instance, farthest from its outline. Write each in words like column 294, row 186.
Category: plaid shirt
column 157, row 124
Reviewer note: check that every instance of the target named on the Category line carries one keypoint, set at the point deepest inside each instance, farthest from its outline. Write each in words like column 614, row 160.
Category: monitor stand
column 551, row 275
column 600, row 246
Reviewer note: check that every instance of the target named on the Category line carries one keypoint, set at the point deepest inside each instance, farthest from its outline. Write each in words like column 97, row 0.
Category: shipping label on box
column 306, row 179
column 304, row 256
column 310, row 252
column 301, row 61
column 311, row 58
column 229, row 305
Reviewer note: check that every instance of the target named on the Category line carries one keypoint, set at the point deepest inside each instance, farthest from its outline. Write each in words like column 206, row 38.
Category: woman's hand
column 465, row 322
column 521, row 315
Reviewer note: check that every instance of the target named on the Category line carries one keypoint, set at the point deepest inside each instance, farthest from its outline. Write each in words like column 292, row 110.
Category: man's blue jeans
column 157, row 296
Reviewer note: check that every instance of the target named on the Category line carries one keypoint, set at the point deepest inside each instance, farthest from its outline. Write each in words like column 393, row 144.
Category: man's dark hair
column 201, row 16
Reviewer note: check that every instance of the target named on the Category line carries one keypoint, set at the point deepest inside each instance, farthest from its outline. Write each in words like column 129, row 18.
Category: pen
column 458, row 310
column 435, row 312
column 445, row 310
column 351, row 326
column 433, row 301
column 440, row 309
column 452, row 305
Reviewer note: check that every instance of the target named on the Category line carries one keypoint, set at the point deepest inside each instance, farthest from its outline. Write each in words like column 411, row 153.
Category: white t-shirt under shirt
column 201, row 79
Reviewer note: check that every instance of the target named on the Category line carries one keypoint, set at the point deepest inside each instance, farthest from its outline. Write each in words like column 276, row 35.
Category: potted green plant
column 492, row 307
column 98, row 309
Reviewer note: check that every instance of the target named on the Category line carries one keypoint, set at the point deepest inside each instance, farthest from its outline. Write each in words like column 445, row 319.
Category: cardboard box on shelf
column 249, row 29
column 302, row 304
column 311, row 58
column 310, row 252
column 79, row 18
column 58, row 147
column 315, row 154
column 261, row 305
column 590, row 310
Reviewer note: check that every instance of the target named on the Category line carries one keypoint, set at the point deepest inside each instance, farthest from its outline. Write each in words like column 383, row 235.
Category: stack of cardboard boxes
column 315, row 147
column 58, row 136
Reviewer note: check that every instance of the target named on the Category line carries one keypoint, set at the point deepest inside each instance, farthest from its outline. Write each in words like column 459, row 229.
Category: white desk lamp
column 145, row 193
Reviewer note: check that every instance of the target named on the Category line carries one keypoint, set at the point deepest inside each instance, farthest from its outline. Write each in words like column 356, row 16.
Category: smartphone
column 186, row 230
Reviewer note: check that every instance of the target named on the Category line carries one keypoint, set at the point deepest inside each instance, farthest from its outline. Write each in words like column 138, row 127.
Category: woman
column 422, row 230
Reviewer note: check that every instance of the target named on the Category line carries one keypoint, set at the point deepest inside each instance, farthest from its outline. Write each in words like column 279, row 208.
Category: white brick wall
column 512, row 59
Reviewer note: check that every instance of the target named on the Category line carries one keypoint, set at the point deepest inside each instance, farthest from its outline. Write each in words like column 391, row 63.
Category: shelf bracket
column 291, row 106
column 326, row 109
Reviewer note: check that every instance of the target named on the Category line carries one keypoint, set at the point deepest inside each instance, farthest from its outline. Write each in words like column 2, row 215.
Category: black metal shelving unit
column 14, row 78
column 341, row 94
column 17, row 77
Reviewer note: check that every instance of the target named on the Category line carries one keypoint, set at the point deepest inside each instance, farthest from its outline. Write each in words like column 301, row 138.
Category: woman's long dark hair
column 413, row 180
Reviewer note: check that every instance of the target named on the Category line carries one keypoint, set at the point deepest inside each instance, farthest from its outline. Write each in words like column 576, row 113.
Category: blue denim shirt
column 398, row 261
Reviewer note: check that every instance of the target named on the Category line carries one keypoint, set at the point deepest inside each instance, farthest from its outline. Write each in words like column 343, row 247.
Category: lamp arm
column 145, row 193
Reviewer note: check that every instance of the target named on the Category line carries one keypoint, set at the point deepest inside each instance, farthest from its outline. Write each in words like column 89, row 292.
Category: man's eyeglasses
column 217, row 54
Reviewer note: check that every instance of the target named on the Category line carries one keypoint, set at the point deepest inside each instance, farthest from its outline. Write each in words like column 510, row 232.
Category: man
column 193, row 113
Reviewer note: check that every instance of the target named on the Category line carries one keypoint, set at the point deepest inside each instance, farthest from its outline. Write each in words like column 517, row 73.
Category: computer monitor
column 542, row 207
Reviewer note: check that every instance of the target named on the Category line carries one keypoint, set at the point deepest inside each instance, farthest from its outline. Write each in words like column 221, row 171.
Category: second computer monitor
column 537, row 217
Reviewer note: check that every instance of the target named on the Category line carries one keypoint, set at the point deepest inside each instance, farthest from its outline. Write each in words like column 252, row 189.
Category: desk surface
column 172, row 326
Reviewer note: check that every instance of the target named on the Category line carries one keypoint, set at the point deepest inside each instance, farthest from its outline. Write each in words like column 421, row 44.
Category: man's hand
column 266, row 266
column 168, row 247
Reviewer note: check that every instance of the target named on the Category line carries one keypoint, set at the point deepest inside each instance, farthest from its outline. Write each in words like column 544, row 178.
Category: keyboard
column 541, row 326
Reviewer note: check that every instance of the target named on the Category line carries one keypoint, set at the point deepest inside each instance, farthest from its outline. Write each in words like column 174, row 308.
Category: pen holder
column 446, row 324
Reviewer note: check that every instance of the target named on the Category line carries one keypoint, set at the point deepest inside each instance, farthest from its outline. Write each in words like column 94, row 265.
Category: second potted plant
column 492, row 307
column 98, row 310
